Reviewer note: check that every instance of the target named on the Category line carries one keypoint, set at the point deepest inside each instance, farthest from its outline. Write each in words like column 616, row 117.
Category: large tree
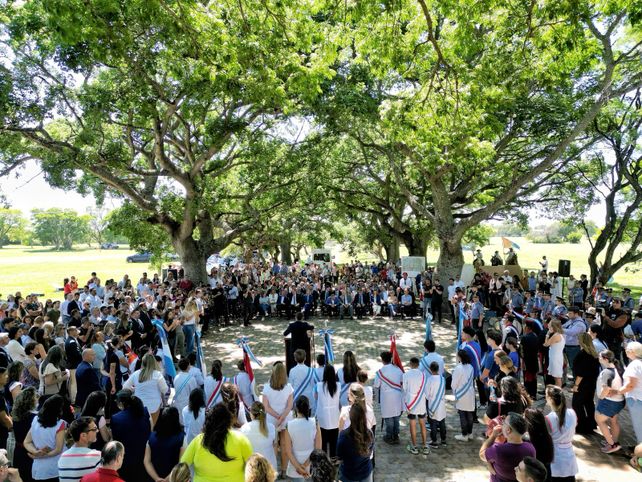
column 476, row 105
column 171, row 104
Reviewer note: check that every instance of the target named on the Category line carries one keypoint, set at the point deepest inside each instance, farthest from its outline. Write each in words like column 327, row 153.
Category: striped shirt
column 76, row 462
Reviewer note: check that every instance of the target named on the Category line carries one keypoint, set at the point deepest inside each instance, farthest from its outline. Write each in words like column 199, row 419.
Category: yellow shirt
column 209, row 468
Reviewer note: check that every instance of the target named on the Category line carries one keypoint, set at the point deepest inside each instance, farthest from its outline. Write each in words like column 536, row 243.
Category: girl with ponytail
column 261, row 434
column 561, row 422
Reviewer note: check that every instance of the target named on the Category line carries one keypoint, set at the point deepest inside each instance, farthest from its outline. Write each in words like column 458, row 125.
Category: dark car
column 145, row 257
column 109, row 246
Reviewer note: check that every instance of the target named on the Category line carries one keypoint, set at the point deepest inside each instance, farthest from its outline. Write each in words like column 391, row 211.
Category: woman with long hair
column 214, row 384
column 347, row 374
column 277, row 398
column 52, row 374
column 189, row 317
column 586, row 369
column 131, row 427
column 300, row 438
column 149, row 385
column 30, row 376
column 43, row 343
column 22, row 415
column 562, row 422
column 180, row 473
column 219, row 453
column 261, row 434
column 597, row 336
column 610, row 403
column 514, row 398
column 259, row 469
column 356, row 396
column 13, row 387
column 232, row 400
column 95, row 408
column 45, row 441
column 540, row 437
column 328, row 393
column 114, row 362
column 555, row 342
column 355, row 447
column 165, row 445
column 194, row 414
column 463, row 387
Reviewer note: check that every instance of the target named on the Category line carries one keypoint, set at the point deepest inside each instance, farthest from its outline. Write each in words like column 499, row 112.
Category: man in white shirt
column 184, row 383
column 414, row 389
column 452, row 290
column 79, row 460
column 405, row 282
column 301, row 378
column 387, row 384
column 431, row 355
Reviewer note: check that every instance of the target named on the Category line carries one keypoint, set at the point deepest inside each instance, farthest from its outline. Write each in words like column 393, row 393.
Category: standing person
column 278, row 401
column 87, row 377
column 347, row 374
column 190, row 316
column 149, row 385
column 388, row 384
column 529, row 351
column 257, row 469
column 79, row 459
column 464, row 390
column 328, row 393
column 95, row 408
column 131, row 426
column 244, row 384
column 52, row 375
column 6, row 423
column 302, row 378
column 113, row 455
column 73, row 359
column 184, row 383
column 632, row 388
column 585, row 372
column 22, row 416
column 46, row 439
column 436, row 402
column 610, row 403
column 573, row 328
column 301, row 437
column 300, row 331
column 414, row 391
column 165, row 445
column 437, row 299
column 562, row 422
column 503, row 458
column 540, row 437
column 194, row 415
column 214, row 384
column 355, row 447
column 555, row 342
column 262, row 435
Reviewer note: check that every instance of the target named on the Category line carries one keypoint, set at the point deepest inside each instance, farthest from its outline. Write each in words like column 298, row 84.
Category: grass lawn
column 41, row 270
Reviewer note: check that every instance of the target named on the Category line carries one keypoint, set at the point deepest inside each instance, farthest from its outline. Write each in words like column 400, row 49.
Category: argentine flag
column 168, row 363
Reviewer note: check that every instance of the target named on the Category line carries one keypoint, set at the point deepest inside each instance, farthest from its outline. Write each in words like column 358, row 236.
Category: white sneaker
column 470, row 437
column 461, row 438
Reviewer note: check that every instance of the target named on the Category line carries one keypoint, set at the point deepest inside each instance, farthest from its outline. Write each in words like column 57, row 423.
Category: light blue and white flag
column 168, row 362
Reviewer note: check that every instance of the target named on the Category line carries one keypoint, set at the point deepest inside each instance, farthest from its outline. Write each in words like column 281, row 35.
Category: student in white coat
column 244, row 384
column 436, row 401
column 302, row 378
column 387, row 385
column 328, row 393
column 463, row 386
column 318, row 371
column 184, row 383
column 414, row 390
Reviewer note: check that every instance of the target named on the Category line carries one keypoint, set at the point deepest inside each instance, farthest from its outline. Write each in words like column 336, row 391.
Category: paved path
column 367, row 338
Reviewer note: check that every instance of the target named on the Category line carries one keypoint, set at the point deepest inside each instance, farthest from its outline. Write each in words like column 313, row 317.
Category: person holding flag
column 387, row 385
column 302, row 379
column 414, row 392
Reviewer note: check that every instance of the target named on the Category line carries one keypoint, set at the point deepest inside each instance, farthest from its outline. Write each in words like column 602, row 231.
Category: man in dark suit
column 74, row 357
column 282, row 304
column 530, row 347
column 140, row 336
column 86, row 377
column 299, row 330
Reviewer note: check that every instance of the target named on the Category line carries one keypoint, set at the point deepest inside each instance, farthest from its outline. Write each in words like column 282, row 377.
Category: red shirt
column 102, row 475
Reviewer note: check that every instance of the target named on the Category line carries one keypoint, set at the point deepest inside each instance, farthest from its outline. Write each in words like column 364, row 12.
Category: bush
column 575, row 237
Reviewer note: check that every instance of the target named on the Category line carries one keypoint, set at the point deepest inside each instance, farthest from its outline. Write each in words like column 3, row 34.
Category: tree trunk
column 392, row 250
column 451, row 258
column 192, row 259
column 286, row 252
column 419, row 246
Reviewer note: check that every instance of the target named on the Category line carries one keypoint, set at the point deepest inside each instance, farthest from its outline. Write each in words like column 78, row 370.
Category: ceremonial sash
column 467, row 386
column 390, row 383
column 316, row 376
column 441, row 391
column 344, row 388
column 183, row 385
column 306, row 381
column 215, row 393
column 471, row 348
column 424, row 363
column 410, row 406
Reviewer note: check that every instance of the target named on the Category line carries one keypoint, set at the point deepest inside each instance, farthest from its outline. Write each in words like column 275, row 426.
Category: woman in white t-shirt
column 301, row 437
column 632, row 388
column 278, row 400
column 52, row 376
column 328, row 394
column 149, row 385
column 356, row 394
column 190, row 316
column 194, row 415
column 261, row 434
column 609, row 405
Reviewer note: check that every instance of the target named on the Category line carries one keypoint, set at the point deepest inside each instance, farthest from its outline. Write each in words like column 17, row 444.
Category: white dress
column 278, row 400
column 261, row 444
column 150, row 391
column 564, row 462
column 302, row 434
column 556, row 358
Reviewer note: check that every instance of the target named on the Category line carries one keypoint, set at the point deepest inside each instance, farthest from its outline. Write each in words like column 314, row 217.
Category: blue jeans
column 391, row 427
column 635, row 409
column 188, row 331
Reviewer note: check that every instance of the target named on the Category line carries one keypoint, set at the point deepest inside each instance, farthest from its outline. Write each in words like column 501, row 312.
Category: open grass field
column 41, row 270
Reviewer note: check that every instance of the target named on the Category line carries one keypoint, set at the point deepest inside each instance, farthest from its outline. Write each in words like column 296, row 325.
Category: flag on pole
column 200, row 359
column 248, row 357
column 460, row 325
column 396, row 360
column 507, row 243
column 327, row 344
column 168, row 361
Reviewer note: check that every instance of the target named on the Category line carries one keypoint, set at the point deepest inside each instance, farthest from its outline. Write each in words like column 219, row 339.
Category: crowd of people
column 109, row 383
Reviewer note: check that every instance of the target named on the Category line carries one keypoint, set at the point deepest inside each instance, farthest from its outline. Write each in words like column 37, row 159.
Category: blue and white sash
column 306, row 381
column 441, row 392
column 183, row 385
column 467, row 386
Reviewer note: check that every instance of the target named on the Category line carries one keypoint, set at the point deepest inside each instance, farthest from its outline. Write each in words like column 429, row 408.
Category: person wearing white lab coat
column 301, row 378
column 436, row 401
column 387, row 384
column 463, row 386
column 414, row 390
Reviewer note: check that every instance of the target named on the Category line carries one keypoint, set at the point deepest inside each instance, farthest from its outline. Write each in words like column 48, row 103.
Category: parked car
column 109, row 246
column 145, row 256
